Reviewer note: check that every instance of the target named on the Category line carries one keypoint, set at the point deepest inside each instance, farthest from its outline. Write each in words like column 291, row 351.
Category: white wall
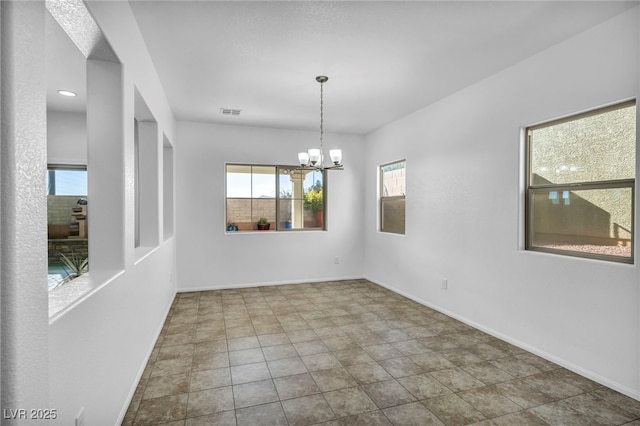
column 207, row 257
column 98, row 347
column 464, row 211
column 66, row 137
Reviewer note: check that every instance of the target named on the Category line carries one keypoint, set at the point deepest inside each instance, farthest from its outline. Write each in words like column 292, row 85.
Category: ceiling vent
column 230, row 112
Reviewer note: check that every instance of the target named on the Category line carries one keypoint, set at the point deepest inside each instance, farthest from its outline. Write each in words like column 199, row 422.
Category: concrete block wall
column 59, row 208
column 67, row 247
column 245, row 212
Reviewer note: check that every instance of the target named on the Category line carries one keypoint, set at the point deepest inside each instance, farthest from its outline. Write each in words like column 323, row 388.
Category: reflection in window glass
column 393, row 212
column 62, row 181
column 593, row 221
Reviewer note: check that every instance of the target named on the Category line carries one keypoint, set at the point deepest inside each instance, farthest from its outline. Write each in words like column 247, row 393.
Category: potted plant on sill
column 263, row 224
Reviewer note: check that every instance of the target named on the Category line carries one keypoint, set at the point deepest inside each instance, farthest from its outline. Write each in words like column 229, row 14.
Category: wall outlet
column 336, row 260
column 80, row 417
column 445, row 284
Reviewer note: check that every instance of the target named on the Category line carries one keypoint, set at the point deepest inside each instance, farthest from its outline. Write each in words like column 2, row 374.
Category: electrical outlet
column 445, row 284
column 80, row 417
column 336, row 260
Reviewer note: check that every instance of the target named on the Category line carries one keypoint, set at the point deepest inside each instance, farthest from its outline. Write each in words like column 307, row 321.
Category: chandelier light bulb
column 336, row 156
column 303, row 158
column 314, row 156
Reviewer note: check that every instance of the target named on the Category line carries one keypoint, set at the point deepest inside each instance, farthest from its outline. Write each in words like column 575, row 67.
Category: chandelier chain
column 321, row 118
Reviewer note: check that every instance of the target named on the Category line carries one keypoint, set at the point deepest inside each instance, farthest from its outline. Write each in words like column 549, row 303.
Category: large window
column 580, row 184
column 274, row 198
column 392, row 197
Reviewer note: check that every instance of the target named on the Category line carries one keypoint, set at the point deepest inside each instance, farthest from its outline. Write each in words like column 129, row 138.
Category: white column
column 24, row 312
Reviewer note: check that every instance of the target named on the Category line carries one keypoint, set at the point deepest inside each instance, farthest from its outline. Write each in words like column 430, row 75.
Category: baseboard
column 631, row 393
column 207, row 287
column 132, row 392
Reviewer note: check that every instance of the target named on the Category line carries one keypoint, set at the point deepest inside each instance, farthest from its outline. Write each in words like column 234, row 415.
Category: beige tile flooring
column 350, row 353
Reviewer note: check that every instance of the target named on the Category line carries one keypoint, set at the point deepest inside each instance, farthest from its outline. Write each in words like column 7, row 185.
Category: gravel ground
column 623, row 251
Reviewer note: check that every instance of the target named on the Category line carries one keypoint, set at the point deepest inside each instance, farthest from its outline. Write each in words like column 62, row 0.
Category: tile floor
column 350, row 353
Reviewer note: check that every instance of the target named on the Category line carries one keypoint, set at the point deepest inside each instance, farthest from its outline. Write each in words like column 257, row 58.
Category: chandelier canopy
column 313, row 159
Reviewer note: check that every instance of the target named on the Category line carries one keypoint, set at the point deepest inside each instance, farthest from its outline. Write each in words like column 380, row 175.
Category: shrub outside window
column 580, row 184
column 392, row 197
column 274, row 198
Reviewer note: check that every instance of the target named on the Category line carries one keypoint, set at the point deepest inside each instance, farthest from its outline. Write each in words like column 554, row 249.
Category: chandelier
column 313, row 159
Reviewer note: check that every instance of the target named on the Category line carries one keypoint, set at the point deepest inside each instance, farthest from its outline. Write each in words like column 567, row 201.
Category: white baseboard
column 206, row 287
column 132, row 392
column 625, row 390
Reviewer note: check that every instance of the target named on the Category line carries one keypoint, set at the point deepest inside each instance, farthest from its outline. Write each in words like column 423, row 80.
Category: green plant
column 313, row 199
column 263, row 221
column 75, row 265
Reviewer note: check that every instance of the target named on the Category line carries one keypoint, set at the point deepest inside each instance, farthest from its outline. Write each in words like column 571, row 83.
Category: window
column 282, row 196
column 67, row 180
column 580, row 184
column 68, row 248
column 392, row 197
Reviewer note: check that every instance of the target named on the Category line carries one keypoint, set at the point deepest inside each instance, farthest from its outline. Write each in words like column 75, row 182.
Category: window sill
column 578, row 256
column 71, row 294
column 67, row 295
column 142, row 252
column 290, row 231
column 391, row 233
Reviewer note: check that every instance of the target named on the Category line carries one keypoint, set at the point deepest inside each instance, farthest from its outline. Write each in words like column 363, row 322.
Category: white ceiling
column 384, row 59
column 66, row 69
